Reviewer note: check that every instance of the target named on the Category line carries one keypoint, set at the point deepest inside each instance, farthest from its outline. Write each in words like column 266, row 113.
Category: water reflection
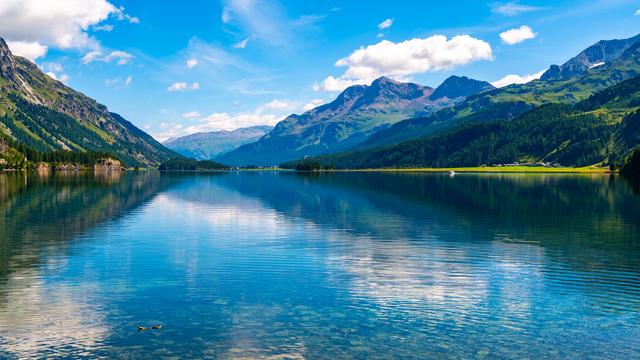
column 284, row 265
column 41, row 214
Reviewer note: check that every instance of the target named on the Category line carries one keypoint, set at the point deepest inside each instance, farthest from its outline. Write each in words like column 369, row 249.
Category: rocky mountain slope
column 623, row 62
column 47, row 115
column 596, row 55
column 357, row 113
column 204, row 146
column 601, row 130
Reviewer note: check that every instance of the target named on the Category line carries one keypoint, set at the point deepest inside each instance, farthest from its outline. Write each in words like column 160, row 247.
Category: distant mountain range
column 45, row 115
column 207, row 145
column 357, row 113
column 585, row 114
column 596, row 55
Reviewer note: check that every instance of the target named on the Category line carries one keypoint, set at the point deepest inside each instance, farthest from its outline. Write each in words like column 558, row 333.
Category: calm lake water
column 325, row 266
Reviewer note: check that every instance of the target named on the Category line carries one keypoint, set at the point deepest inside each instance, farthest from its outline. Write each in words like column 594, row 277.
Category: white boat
column 452, row 173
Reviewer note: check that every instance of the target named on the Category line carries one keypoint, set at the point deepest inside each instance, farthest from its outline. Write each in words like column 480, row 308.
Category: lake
column 319, row 266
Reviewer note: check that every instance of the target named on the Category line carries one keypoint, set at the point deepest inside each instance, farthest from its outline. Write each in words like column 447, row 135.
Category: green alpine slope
column 603, row 129
column 47, row 115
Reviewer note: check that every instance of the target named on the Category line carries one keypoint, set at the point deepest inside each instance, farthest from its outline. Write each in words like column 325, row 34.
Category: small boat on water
column 452, row 173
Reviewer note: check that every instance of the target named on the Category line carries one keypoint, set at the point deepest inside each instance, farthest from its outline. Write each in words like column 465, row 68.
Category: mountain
column 46, row 115
column 602, row 129
column 459, row 87
column 358, row 112
column 512, row 101
column 596, row 55
column 204, row 146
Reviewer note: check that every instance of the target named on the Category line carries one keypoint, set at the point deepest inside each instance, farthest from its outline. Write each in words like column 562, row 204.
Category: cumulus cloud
column 215, row 122
column 62, row 78
column 313, row 104
column 277, row 105
column 183, row 86
column 513, row 8
column 29, row 50
column 34, row 25
column 120, row 57
column 518, row 35
column 517, row 79
column 404, row 59
column 385, row 24
column 191, row 63
column 62, row 24
column 637, row 13
column 333, row 84
column 266, row 114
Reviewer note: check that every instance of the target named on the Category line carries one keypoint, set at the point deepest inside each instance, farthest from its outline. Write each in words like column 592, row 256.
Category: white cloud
column 105, row 27
column 513, row 8
column 29, row 50
column 277, row 105
column 517, row 79
column 191, row 63
column 54, row 71
column 403, row 59
column 518, row 35
column 91, row 57
column 332, row 84
column 119, row 82
column 313, row 104
column 204, row 52
column 242, row 44
column 637, row 13
column 121, row 15
column 225, row 121
column 51, row 66
column 120, row 57
column 192, row 115
column 62, row 24
column 385, row 24
column 266, row 114
column 215, row 122
column 183, row 86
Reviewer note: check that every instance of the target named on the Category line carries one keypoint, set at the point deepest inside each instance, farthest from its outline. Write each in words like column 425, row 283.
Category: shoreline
column 487, row 169
column 490, row 169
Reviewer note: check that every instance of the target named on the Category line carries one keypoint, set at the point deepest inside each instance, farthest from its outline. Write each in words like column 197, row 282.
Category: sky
column 176, row 68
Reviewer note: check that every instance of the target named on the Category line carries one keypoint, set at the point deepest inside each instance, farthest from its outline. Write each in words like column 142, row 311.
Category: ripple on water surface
column 283, row 265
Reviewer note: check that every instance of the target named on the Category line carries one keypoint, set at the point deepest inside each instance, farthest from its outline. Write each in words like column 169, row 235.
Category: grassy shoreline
column 491, row 169
column 483, row 169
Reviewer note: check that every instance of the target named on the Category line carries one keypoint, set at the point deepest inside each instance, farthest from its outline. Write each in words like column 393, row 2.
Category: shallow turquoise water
column 288, row 266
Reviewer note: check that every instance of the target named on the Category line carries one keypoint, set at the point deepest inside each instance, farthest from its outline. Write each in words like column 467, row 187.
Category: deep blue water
column 324, row 266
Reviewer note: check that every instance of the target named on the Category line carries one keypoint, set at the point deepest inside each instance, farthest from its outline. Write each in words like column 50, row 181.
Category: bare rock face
column 108, row 165
column 7, row 65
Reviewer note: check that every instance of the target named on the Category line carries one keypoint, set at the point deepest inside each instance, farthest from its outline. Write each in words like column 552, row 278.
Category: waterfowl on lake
column 142, row 328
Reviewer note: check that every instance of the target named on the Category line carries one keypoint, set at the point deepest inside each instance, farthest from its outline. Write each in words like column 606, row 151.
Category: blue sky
column 177, row 68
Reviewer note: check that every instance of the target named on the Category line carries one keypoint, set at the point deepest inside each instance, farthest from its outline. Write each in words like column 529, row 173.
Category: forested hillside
column 602, row 130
